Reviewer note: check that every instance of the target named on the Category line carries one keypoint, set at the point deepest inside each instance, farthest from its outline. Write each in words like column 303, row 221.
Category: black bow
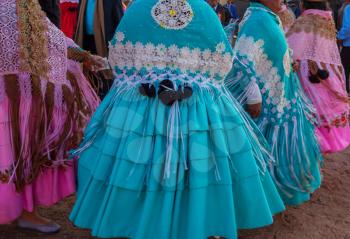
column 167, row 93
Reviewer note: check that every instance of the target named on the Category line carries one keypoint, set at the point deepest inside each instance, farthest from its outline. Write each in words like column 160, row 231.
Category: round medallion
column 172, row 14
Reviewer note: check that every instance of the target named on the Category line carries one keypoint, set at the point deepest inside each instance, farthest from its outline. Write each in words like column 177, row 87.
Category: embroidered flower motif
column 128, row 55
column 172, row 14
column 220, row 47
column 196, row 53
column 207, row 54
column 185, row 52
column 173, row 51
column 129, row 47
column 119, row 36
column 161, row 50
column 267, row 74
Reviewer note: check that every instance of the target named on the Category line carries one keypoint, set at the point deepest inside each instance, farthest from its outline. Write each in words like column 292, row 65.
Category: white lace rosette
column 172, row 14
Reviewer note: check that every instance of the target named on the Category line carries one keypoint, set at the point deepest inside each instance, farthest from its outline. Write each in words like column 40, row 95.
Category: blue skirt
column 191, row 170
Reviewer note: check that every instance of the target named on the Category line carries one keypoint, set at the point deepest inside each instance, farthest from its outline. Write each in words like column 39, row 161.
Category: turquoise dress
column 262, row 57
column 169, row 153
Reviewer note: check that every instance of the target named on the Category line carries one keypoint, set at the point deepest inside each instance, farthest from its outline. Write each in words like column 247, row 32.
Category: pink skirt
column 334, row 139
column 332, row 108
column 56, row 181
column 52, row 185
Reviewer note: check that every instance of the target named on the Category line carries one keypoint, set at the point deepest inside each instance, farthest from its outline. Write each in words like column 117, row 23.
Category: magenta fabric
column 51, row 186
column 329, row 97
column 309, row 46
column 56, row 182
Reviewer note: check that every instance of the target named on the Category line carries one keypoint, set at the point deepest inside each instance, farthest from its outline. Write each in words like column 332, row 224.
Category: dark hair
column 315, row 5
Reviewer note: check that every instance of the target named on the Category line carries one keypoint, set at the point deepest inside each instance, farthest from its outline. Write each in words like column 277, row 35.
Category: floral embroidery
column 340, row 121
column 266, row 73
column 172, row 14
column 138, row 56
column 220, row 47
column 120, row 36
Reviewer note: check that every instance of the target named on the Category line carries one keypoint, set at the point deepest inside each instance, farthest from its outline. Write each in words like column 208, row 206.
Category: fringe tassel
column 37, row 140
column 12, row 91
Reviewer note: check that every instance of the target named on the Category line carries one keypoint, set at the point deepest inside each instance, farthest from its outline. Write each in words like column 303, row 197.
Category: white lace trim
column 139, row 56
column 135, row 79
column 245, row 18
column 287, row 63
column 172, row 14
column 265, row 71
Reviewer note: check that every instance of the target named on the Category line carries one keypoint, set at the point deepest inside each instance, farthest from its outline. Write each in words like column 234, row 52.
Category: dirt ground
column 326, row 216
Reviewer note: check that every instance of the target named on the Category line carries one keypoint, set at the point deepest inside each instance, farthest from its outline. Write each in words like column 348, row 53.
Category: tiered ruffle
column 190, row 170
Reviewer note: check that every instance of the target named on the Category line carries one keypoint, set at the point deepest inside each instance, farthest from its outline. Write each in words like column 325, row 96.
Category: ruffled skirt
column 191, row 170
column 38, row 126
column 332, row 107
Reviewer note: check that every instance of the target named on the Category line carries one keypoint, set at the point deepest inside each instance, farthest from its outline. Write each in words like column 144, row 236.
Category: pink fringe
column 54, row 183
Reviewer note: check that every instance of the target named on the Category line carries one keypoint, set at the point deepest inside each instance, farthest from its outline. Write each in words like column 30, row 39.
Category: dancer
column 322, row 74
column 45, row 103
column 284, row 113
column 69, row 16
column 169, row 153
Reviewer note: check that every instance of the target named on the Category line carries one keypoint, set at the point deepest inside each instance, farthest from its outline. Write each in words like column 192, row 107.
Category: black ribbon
column 166, row 93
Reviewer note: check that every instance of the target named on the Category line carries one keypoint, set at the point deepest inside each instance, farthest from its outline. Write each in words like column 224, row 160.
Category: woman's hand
column 296, row 65
column 254, row 110
column 96, row 63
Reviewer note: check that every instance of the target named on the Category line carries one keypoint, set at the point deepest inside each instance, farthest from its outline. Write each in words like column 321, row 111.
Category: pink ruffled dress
column 40, row 120
column 312, row 39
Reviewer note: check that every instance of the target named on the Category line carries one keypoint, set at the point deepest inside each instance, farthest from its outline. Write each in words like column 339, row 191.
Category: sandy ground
column 326, row 216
